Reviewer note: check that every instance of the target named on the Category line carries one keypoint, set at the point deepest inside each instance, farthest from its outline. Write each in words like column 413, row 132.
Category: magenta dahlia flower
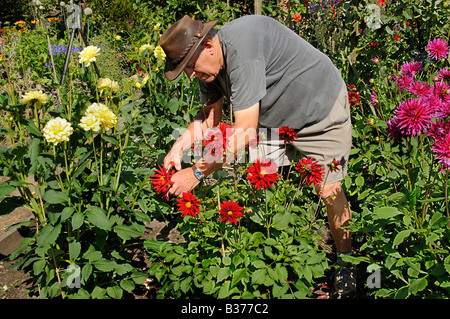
column 441, row 149
column 421, row 89
column 444, row 75
column 443, row 111
column 438, row 130
column 437, row 49
column 413, row 117
column 404, row 81
column 393, row 129
column 442, row 91
column 434, row 105
column 410, row 69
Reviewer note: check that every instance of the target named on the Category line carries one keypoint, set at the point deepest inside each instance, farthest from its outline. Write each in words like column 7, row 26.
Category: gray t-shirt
column 266, row 62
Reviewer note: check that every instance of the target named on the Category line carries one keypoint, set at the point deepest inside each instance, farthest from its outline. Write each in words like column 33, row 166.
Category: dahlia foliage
column 261, row 175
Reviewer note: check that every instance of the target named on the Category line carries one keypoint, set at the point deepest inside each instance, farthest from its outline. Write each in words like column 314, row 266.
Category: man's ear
column 208, row 45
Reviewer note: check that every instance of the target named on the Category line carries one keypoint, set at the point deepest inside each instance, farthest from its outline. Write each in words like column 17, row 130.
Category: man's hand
column 174, row 157
column 183, row 181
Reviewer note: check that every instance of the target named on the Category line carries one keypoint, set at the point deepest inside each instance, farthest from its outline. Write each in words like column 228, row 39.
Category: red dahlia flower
column 230, row 212
column 161, row 180
column 334, row 165
column 262, row 174
column 256, row 141
column 188, row 204
column 287, row 134
column 353, row 98
column 310, row 171
column 216, row 139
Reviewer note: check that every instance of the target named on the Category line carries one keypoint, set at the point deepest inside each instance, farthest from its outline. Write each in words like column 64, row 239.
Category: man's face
column 204, row 65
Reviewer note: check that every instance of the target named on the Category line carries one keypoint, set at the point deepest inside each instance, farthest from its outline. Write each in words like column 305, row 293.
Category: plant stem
column 446, row 194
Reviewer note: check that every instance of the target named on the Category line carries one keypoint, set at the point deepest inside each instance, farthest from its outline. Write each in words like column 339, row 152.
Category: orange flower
column 297, row 17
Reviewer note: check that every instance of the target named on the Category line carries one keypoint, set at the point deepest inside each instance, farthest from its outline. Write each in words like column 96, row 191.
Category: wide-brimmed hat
column 180, row 41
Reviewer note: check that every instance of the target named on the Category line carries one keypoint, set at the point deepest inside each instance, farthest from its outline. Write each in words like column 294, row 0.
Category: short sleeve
column 248, row 84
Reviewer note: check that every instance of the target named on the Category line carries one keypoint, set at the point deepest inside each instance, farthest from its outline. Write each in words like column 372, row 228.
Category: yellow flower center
column 188, row 205
column 263, row 172
column 230, row 212
column 161, row 178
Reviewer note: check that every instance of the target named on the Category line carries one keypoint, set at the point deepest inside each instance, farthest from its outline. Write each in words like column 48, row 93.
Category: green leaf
column 223, row 274
column 385, row 212
column 77, row 221
column 74, row 250
column 31, row 127
column 238, row 275
column 127, row 284
column 38, row 266
column 48, row 235
column 226, row 261
column 6, row 189
column 173, row 104
column 359, row 181
column 105, row 265
column 114, row 292
column 97, row 216
column 418, row 285
column 224, row 291
column 54, row 197
column 33, row 150
column 400, row 237
column 281, row 221
column 259, row 277
column 66, row 213
column 258, row 263
column 86, row 272
column 279, row 291
column 127, row 232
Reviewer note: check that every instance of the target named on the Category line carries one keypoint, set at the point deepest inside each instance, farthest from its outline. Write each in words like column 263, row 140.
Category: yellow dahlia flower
column 106, row 83
column 106, row 117
column 144, row 47
column 159, row 53
column 57, row 130
column 34, row 98
column 88, row 55
column 90, row 122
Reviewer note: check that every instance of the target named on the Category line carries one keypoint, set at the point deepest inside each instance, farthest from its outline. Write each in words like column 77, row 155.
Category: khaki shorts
column 324, row 141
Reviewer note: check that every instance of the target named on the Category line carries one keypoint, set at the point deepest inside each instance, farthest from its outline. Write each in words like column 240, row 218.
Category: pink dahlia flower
column 437, row 49
column 413, row 117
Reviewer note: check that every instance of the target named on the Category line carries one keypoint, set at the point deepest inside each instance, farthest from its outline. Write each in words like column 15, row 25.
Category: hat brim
column 172, row 71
